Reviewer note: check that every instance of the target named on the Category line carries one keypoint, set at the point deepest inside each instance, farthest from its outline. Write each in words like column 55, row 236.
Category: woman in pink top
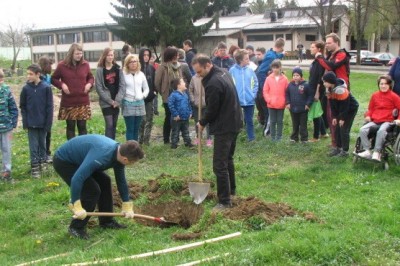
column 274, row 95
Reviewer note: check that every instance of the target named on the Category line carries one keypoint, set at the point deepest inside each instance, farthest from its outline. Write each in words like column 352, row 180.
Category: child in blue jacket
column 8, row 121
column 299, row 98
column 36, row 103
column 181, row 112
column 246, row 84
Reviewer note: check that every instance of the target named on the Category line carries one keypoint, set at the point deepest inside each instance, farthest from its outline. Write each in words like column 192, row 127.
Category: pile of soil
column 186, row 214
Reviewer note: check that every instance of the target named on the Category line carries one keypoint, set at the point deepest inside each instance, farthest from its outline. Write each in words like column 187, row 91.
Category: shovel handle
column 118, row 214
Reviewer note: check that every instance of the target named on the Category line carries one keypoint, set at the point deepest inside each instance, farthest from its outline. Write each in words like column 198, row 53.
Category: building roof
column 284, row 18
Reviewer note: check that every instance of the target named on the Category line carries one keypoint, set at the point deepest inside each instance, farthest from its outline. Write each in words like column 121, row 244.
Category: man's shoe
column 49, row 159
column 221, row 207
column 334, row 152
column 78, row 233
column 112, row 225
column 343, row 154
column 190, row 145
column 376, row 156
column 313, row 140
column 173, row 146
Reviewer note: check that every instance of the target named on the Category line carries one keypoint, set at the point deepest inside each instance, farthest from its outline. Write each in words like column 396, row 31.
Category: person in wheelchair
column 380, row 113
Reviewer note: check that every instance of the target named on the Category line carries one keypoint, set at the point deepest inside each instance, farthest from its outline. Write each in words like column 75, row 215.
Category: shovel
column 199, row 190
column 159, row 220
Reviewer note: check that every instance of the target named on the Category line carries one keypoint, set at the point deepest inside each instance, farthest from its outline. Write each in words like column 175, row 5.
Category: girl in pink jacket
column 274, row 95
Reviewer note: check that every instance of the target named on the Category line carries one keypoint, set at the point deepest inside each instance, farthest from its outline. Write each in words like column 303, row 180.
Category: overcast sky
column 56, row 13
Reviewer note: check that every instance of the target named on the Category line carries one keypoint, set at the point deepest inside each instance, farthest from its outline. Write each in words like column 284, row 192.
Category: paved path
column 305, row 64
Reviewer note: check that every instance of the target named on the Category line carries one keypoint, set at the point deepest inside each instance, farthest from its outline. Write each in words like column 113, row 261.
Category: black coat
column 316, row 73
column 149, row 73
column 223, row 111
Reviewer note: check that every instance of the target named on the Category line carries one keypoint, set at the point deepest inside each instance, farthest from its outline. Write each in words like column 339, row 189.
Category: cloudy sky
column 56, row 13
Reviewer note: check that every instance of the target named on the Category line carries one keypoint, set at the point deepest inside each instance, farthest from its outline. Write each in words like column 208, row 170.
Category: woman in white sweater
column 135, row 91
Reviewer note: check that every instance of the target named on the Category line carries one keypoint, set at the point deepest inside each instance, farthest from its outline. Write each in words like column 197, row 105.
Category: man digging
column 81, row 163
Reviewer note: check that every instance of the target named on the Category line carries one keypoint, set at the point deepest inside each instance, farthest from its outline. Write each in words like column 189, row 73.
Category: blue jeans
column 276, row 123
column 248, row 119
column 132, row 124
column 37, row 145
column 6, row 150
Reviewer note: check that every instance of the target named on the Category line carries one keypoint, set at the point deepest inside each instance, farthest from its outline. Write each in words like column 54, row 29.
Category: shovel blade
column 198, row 191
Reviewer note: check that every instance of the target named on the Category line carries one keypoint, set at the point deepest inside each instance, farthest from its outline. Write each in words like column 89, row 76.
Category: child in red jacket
column 274, row 92
column 379, row 112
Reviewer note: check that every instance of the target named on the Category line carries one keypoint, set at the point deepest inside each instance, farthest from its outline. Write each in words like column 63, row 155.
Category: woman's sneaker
column 365, row 154
column 376, row 156
column 209, row 143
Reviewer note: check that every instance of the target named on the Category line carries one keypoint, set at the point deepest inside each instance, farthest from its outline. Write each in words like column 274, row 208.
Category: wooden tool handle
column 200, row 139
column 119, row 214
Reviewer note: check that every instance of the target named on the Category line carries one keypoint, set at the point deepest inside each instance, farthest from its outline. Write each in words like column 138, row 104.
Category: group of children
column 36, row 104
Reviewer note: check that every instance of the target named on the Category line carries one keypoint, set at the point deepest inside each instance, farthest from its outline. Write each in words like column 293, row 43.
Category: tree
column 159, row 22
column 14, row 36
column 360, row 12
column 290, row 4
column 389, row 12
column 259, row 6
column 222, row 7
column 323, row 16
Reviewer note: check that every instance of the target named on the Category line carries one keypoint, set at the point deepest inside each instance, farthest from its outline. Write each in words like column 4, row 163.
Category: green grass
column 358, row 206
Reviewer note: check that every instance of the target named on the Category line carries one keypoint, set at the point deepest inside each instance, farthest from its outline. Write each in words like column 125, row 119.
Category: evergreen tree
column 159, row 22
column 217, row 8
column 259, row 6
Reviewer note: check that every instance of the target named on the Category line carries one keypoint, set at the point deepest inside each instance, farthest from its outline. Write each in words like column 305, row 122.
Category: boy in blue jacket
column 181, row 112
column 299, row 98
column 8, row 121
column 36, row 103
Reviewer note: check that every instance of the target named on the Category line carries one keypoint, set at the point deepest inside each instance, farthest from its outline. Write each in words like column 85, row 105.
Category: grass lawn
column 357, row 206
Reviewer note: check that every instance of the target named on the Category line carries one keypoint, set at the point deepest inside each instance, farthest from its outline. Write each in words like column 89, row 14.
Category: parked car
column 377, row 59
column 391, row 62
column 363, row 54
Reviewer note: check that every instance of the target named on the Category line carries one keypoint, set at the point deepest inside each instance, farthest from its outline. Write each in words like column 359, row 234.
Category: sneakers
column 209, row 143
column 326, row 136
column 49, row 159
column 376, row 156
column 190, row 145
column 343, row 154
column 313, row 140
column 334, row 152
column 365, row 154
column 6, row 177
column 221, row 207
column 35, row 170
column 174, row 146
column 112, row 225
column 196, row 141
column 78, row 233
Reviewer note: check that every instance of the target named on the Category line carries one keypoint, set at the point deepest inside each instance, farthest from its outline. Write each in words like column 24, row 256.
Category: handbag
column 315, row 111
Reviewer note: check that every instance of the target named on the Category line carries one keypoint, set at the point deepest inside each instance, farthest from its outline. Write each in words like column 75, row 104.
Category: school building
column 240, row 28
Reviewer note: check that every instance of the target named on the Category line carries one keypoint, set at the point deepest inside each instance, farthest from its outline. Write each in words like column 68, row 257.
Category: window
column 95, row 36
column 92, row 56
column 260, row 38
column 115, row 38
column 43, row 40
column 69, row 38
column 38, row 55
column 278, row 36
column 311, row 38
column 61, row 56
column 289, row 37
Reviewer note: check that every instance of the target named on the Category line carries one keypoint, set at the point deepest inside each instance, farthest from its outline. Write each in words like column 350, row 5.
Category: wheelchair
column 390, row 146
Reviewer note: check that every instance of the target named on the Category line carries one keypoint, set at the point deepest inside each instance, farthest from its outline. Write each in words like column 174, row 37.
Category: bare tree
column 323, row 18
column 14, row 36
column 389, row 11
column 360, row 13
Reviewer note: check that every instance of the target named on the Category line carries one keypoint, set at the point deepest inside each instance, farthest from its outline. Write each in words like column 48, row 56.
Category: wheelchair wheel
column 396, row 150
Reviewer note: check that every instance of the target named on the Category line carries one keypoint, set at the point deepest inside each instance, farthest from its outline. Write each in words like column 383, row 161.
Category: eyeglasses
column 130, row 62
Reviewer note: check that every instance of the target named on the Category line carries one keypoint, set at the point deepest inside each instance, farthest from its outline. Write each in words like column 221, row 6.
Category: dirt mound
column 244, row 208
column 177, row 209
